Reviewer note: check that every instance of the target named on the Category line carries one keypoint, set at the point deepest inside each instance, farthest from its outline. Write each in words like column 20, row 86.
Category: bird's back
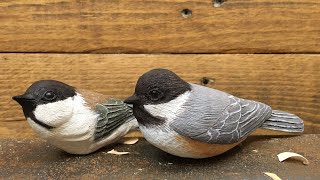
column 216, row 117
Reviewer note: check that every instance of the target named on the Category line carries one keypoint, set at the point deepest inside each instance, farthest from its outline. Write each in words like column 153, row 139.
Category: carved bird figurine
column 75, row 120
column 194, row 121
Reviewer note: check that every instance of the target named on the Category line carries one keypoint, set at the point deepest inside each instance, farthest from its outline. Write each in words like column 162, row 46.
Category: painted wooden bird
column 75, row 120
column 194, row 121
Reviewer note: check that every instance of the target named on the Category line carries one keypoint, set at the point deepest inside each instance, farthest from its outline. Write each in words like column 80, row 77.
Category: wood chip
column 117, row 153
column 272, row 176
column 130, row 141
column 286, row 155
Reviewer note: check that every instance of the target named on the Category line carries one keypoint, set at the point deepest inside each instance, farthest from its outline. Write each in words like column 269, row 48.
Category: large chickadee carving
column 74, row 120
column 194, row 121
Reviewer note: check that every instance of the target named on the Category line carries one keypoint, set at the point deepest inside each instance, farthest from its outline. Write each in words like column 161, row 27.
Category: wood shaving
column 117, row 153
column 134, row 134
column 286, row 155
column 272, row 176
column 130, row 141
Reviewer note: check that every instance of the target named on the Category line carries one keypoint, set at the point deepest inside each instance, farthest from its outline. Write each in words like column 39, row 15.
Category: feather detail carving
column 112, row 114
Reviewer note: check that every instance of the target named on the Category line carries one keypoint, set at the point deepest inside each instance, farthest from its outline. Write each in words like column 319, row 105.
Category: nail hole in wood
column 218, row 3
column 205, row 81
column 186, row 13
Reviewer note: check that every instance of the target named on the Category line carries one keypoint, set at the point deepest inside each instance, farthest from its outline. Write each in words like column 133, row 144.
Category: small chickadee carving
column 75, row 120
column 194, row 121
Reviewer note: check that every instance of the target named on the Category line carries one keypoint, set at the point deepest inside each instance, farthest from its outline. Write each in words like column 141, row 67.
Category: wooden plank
column 285, row 82
column 36, row 159
column 156, row 26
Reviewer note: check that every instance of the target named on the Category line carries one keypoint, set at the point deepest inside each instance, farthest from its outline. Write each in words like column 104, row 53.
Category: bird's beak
column 134, row 99
column 22, row 99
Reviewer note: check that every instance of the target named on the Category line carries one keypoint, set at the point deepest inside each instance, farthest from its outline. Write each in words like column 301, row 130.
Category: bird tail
column 283, row 121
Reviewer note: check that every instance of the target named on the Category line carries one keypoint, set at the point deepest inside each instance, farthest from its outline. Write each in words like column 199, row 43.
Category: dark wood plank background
column 156, row 26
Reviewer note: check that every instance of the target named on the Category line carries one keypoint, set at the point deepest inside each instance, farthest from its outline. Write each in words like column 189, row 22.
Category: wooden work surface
column 285, row 82
column 157, row 26
column 35, row 159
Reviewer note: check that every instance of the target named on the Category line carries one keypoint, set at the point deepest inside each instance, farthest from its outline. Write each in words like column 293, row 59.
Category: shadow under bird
column 75, row 120
column 194, row 121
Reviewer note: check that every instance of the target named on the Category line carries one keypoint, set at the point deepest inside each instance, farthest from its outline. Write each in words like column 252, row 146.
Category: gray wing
column 112, row 114
column 216, row 117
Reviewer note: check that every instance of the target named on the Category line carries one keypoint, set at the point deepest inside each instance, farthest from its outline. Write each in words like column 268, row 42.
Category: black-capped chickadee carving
column 194, row 121
column 74, row 120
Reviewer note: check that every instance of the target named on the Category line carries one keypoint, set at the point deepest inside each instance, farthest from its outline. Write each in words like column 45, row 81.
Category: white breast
column 74, row 124
column 162, row 139
column 167, row 140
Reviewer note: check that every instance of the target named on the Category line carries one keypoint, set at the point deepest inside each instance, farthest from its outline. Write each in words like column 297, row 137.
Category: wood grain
column 156, row 26
column 285, row 82
column 35, row 159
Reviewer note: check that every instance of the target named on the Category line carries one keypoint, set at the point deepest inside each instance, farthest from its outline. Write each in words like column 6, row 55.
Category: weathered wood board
column 157, row 26
column 36, row 159
column 286, row 82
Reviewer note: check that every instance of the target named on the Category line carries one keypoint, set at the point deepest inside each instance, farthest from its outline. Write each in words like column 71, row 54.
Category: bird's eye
column 155, row 94
column 49, row 96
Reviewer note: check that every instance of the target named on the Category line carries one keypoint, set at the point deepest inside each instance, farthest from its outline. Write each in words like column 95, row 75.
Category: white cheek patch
column 56, row 113
column 170, row 109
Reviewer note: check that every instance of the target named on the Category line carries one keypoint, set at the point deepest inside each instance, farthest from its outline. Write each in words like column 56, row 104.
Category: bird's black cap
column 155, row 87
column 43, row 92
column 158, row 86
